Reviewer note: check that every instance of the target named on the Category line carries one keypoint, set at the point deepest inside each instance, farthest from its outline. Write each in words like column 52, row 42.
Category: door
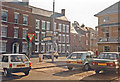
column 15, row 48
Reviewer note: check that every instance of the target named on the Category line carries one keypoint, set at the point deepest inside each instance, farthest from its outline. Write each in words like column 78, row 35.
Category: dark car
column 107, row 61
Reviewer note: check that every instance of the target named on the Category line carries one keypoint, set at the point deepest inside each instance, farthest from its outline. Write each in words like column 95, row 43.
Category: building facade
column 42, row 26
column 15, row 24
column 80, row 38
column 109, row 29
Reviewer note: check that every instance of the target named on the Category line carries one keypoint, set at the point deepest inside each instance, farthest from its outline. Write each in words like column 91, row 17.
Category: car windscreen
column 108, row 56
column 78, row 56
column 18, row 58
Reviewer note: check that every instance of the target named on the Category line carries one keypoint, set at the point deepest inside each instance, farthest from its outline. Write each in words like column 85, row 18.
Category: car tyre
column 26, row 73
column 6, row 72
column 70, row 68
column 97, row 71
column 86, row 67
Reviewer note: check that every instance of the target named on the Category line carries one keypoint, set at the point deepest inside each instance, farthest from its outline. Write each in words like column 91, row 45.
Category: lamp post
column 53, row 27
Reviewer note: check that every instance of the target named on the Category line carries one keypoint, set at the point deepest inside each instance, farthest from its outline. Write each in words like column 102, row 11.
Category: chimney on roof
column 63, row 12
column 26, row 1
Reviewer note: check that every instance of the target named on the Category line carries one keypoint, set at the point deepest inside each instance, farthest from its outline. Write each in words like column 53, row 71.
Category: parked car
column 106, row 61
column 80, row 59
column 49, row 55
column 13, row 63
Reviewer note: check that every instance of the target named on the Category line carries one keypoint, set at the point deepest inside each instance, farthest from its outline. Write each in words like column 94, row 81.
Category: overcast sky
column 82, row 11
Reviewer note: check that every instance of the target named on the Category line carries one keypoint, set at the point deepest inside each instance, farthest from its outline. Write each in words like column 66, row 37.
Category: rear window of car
column 18, row 58
column 108, row 56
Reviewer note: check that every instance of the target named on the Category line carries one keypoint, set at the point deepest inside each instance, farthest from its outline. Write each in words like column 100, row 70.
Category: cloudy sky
column 82, row 11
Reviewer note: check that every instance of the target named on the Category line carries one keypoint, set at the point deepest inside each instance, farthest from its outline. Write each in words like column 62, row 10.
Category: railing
column 108, row 39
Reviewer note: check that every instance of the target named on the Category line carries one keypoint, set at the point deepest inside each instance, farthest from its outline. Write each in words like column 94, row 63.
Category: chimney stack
column 63, row 12
column 26, row 1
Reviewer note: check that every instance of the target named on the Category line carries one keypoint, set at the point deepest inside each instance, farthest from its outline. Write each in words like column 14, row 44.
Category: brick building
column 80, row 38
column 109, row 29
column 15, row 23
column 42, row 26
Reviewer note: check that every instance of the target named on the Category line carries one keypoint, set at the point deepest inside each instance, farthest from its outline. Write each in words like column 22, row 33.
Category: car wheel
column 70, row 68
column 6, row 72
column 86, row 67
column 26, row 73
column 97, row 71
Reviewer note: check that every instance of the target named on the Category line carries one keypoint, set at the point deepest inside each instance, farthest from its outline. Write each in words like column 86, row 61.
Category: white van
column 13, row 63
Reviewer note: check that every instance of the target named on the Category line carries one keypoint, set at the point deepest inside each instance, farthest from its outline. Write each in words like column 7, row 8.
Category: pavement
column 47, row 63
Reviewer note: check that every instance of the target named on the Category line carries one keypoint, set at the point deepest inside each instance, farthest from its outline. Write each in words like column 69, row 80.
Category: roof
column 110, row 52
column 73, row 30
column 46, row 13
column 12, row 54
column 110, row 10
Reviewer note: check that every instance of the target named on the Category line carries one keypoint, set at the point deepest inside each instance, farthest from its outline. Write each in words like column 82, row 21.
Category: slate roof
column 115, row 8
column 47, row 13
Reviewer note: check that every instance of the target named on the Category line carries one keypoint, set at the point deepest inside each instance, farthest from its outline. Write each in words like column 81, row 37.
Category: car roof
column 111, row 52
column 81, row 52
column 12, row 54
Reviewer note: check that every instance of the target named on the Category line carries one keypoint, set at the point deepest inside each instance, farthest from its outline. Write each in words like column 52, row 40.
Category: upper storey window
column 4, row 15
column 105, row 19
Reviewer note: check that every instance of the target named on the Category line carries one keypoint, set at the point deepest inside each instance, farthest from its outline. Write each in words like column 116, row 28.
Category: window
column 67, row 38
column 42, row 47
column 36, row 35
column 68, row 47
column 4, row 15
column 63, row 48
column 48, row 25
column 67, row 29
column 15, row 32
column 59, row 48
column 42, row 35
column 86, row 42
column 59, row 37
column 5, row 59
column 4, row 31
column 60, row 27
column 106, row 48
column 24, row 47
column 73, row 56
column 36, row 47
column 16, row 15
column 37, row 24
column 118, row 49
column 24, row 34
column 105, row 19
column 55, row 26
column 63, row 27
column 43, row 25
column 25, row 19
column 63, row 39
column 3, row 47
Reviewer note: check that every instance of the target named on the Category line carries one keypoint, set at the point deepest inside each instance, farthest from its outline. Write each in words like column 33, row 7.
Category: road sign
column 30, row 36
column 47, row 39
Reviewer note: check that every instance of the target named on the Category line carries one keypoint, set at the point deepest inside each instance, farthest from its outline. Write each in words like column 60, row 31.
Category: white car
column 13, row 63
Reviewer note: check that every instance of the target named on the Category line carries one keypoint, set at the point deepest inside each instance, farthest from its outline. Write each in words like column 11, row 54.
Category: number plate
column 21, row 65
column 104, row 64
column 73, row 62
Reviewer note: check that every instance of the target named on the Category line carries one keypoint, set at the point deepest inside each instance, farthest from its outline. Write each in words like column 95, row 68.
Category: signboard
column 47, row 39
column 30, row 36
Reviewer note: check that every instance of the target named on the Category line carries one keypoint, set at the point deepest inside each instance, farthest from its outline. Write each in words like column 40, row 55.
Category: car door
column 79, row 59
column 5, row 61
column 73, row 59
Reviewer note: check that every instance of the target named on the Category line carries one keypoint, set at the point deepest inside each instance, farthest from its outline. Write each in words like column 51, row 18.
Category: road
column 62, row 73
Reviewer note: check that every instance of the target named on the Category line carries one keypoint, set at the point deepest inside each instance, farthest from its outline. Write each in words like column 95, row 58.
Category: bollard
column 40, row 57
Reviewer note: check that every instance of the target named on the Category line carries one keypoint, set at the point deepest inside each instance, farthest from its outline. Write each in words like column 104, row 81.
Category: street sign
column 47, row 39
column 30, row 36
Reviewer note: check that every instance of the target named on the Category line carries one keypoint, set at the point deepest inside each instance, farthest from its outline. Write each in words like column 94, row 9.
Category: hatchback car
column 13, row 63
column 106, row 61
column 79, row 59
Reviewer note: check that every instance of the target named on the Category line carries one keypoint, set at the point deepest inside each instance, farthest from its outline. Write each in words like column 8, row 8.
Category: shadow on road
column 104, row 76
column 12, row 77
column 68, row 73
